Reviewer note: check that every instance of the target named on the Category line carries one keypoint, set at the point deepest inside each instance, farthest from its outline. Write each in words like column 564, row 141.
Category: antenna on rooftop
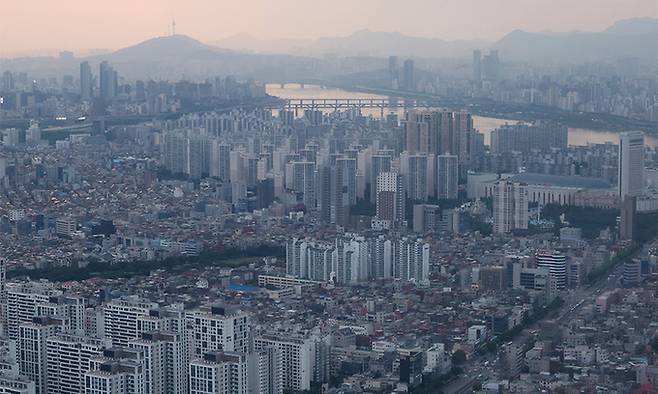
column 173, row 26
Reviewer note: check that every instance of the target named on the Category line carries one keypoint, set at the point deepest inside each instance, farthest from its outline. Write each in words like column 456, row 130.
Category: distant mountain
column 625, row 39
column 637, row 37
column 164, row 49
column 374, row 43
column 634, row 26
column 249, row 43
column 180, row 56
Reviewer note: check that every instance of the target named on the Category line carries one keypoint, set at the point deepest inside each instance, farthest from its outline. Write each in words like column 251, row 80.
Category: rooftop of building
column 561, row 181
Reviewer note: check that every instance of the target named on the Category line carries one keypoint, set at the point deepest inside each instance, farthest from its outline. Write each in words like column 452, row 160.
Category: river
column 577, row 136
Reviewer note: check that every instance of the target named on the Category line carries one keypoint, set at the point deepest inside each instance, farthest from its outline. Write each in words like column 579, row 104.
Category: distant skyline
column 37, row 26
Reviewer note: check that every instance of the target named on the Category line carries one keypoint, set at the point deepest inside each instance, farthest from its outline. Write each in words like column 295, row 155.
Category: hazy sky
column 37, row 25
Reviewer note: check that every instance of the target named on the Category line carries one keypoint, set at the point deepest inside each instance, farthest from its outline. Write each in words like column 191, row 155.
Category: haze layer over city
column 314, row 196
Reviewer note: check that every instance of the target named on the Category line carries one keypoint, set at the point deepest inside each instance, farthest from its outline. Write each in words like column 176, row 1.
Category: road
column 475, row 370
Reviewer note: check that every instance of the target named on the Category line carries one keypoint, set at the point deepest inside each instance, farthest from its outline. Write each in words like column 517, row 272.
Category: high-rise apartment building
column 379, row 163
column 510, row 206
column 121, row 319
column 117, row 371
column 219, row 329
column 22, row 302
column 219, row 373
column 541, row 136
column 297, row 358
column 391, row 198
column 31, row 346
column 412, row 260
column 416, row 177
column 68, row 360
column 447, row 170
column 257, row 372
column 165, row 361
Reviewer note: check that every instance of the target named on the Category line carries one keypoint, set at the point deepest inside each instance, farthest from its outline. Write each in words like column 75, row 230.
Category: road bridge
column 338, row 104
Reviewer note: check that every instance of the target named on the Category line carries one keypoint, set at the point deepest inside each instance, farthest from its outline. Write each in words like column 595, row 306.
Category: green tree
column 458, row 357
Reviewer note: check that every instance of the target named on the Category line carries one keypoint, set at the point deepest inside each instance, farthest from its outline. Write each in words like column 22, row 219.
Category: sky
column 40, row 26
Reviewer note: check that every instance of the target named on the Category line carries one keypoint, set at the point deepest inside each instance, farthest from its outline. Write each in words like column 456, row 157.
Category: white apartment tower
column 297, row 359
column 165, row 359
column 510, row 206
column 219, row 329
column 68, row 360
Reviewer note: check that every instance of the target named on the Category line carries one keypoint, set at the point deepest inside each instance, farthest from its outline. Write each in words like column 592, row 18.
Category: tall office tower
column 3, row 296
column 7, row 81
column 13, row 384
column 477, row 66
column 22, row 301
column 140, row 90
column 631, row 164
column 86, row 82
column 412, row 260
column 219, row 372
column 393, row 72
column 343, row 190
column 297, row 361
column 224, row 162
column 303, row 174
column 447, row 180
column 325, row 193
column 556, row 263
column 31, row 348
column 348, row 166
column 121, row 317
column 510, row 206
column 380, row 163
column 117, row 371
column 409, row 78
column 491, row 66
column 68, row 360
column 380, row 252
column 416, row 136
column 524, row 138
column 627, row 218
column 219, row 328
column 391, row 198
column 165, row 359
column 464, row 136
column 108, row 81
column 416, row 177
column 265, row 371
column 265, row 192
